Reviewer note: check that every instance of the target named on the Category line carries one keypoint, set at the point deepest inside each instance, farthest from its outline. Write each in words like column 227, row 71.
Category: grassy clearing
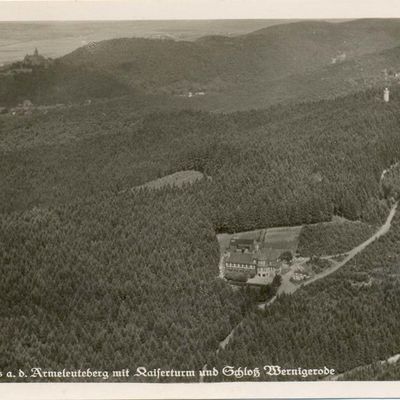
column 177, row 179
column 285, row 238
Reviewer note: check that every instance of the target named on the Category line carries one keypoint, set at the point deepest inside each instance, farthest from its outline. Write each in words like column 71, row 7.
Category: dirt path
column 352, row 253
column 288, row 287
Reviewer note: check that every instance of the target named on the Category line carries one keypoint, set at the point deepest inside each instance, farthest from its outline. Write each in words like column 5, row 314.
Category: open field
column 282, row 238
column 286, row 237
column 177, row 179
column 337, row 236
column 326, row 238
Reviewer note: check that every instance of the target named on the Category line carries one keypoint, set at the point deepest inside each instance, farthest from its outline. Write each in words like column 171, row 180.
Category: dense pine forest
column 99, row 284
column 95, row 274
column 284, row 166
column 58, row 84
column 336, row 237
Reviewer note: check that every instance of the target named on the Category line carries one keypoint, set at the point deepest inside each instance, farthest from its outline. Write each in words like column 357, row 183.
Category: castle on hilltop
column 36, row 60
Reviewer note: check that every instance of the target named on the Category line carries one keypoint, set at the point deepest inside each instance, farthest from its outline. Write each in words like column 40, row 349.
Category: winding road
column 288, row 287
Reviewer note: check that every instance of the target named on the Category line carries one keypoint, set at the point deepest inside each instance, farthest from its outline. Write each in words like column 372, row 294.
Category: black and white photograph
column 200, row 192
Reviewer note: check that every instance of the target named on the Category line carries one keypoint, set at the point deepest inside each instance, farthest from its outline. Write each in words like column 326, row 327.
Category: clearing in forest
column 177, row 179
column 285, row 238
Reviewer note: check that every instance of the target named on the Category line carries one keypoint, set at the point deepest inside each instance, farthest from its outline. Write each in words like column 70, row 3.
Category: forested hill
column 305, row 60
column 94, row 275
column 59, row 84
column 266, row 54
column 284, row 165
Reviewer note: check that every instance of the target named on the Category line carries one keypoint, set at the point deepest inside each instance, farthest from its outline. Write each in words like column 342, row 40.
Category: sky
column 16, row 10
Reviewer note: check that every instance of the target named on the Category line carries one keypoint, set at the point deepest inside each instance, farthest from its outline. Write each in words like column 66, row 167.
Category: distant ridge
column 285, row 62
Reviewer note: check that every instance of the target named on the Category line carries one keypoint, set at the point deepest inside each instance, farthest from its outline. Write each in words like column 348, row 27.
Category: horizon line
column 327, row 19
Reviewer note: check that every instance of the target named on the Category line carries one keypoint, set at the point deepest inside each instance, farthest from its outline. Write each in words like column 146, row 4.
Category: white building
column 386, row 95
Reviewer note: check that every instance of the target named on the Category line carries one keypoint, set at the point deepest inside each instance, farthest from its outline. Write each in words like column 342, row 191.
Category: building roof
column 241, row 258
column 268, row 254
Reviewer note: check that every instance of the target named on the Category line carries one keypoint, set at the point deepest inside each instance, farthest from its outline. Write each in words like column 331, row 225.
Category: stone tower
column 386, row 95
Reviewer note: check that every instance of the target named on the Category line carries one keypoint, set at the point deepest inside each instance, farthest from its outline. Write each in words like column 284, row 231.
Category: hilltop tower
column 386, row 95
